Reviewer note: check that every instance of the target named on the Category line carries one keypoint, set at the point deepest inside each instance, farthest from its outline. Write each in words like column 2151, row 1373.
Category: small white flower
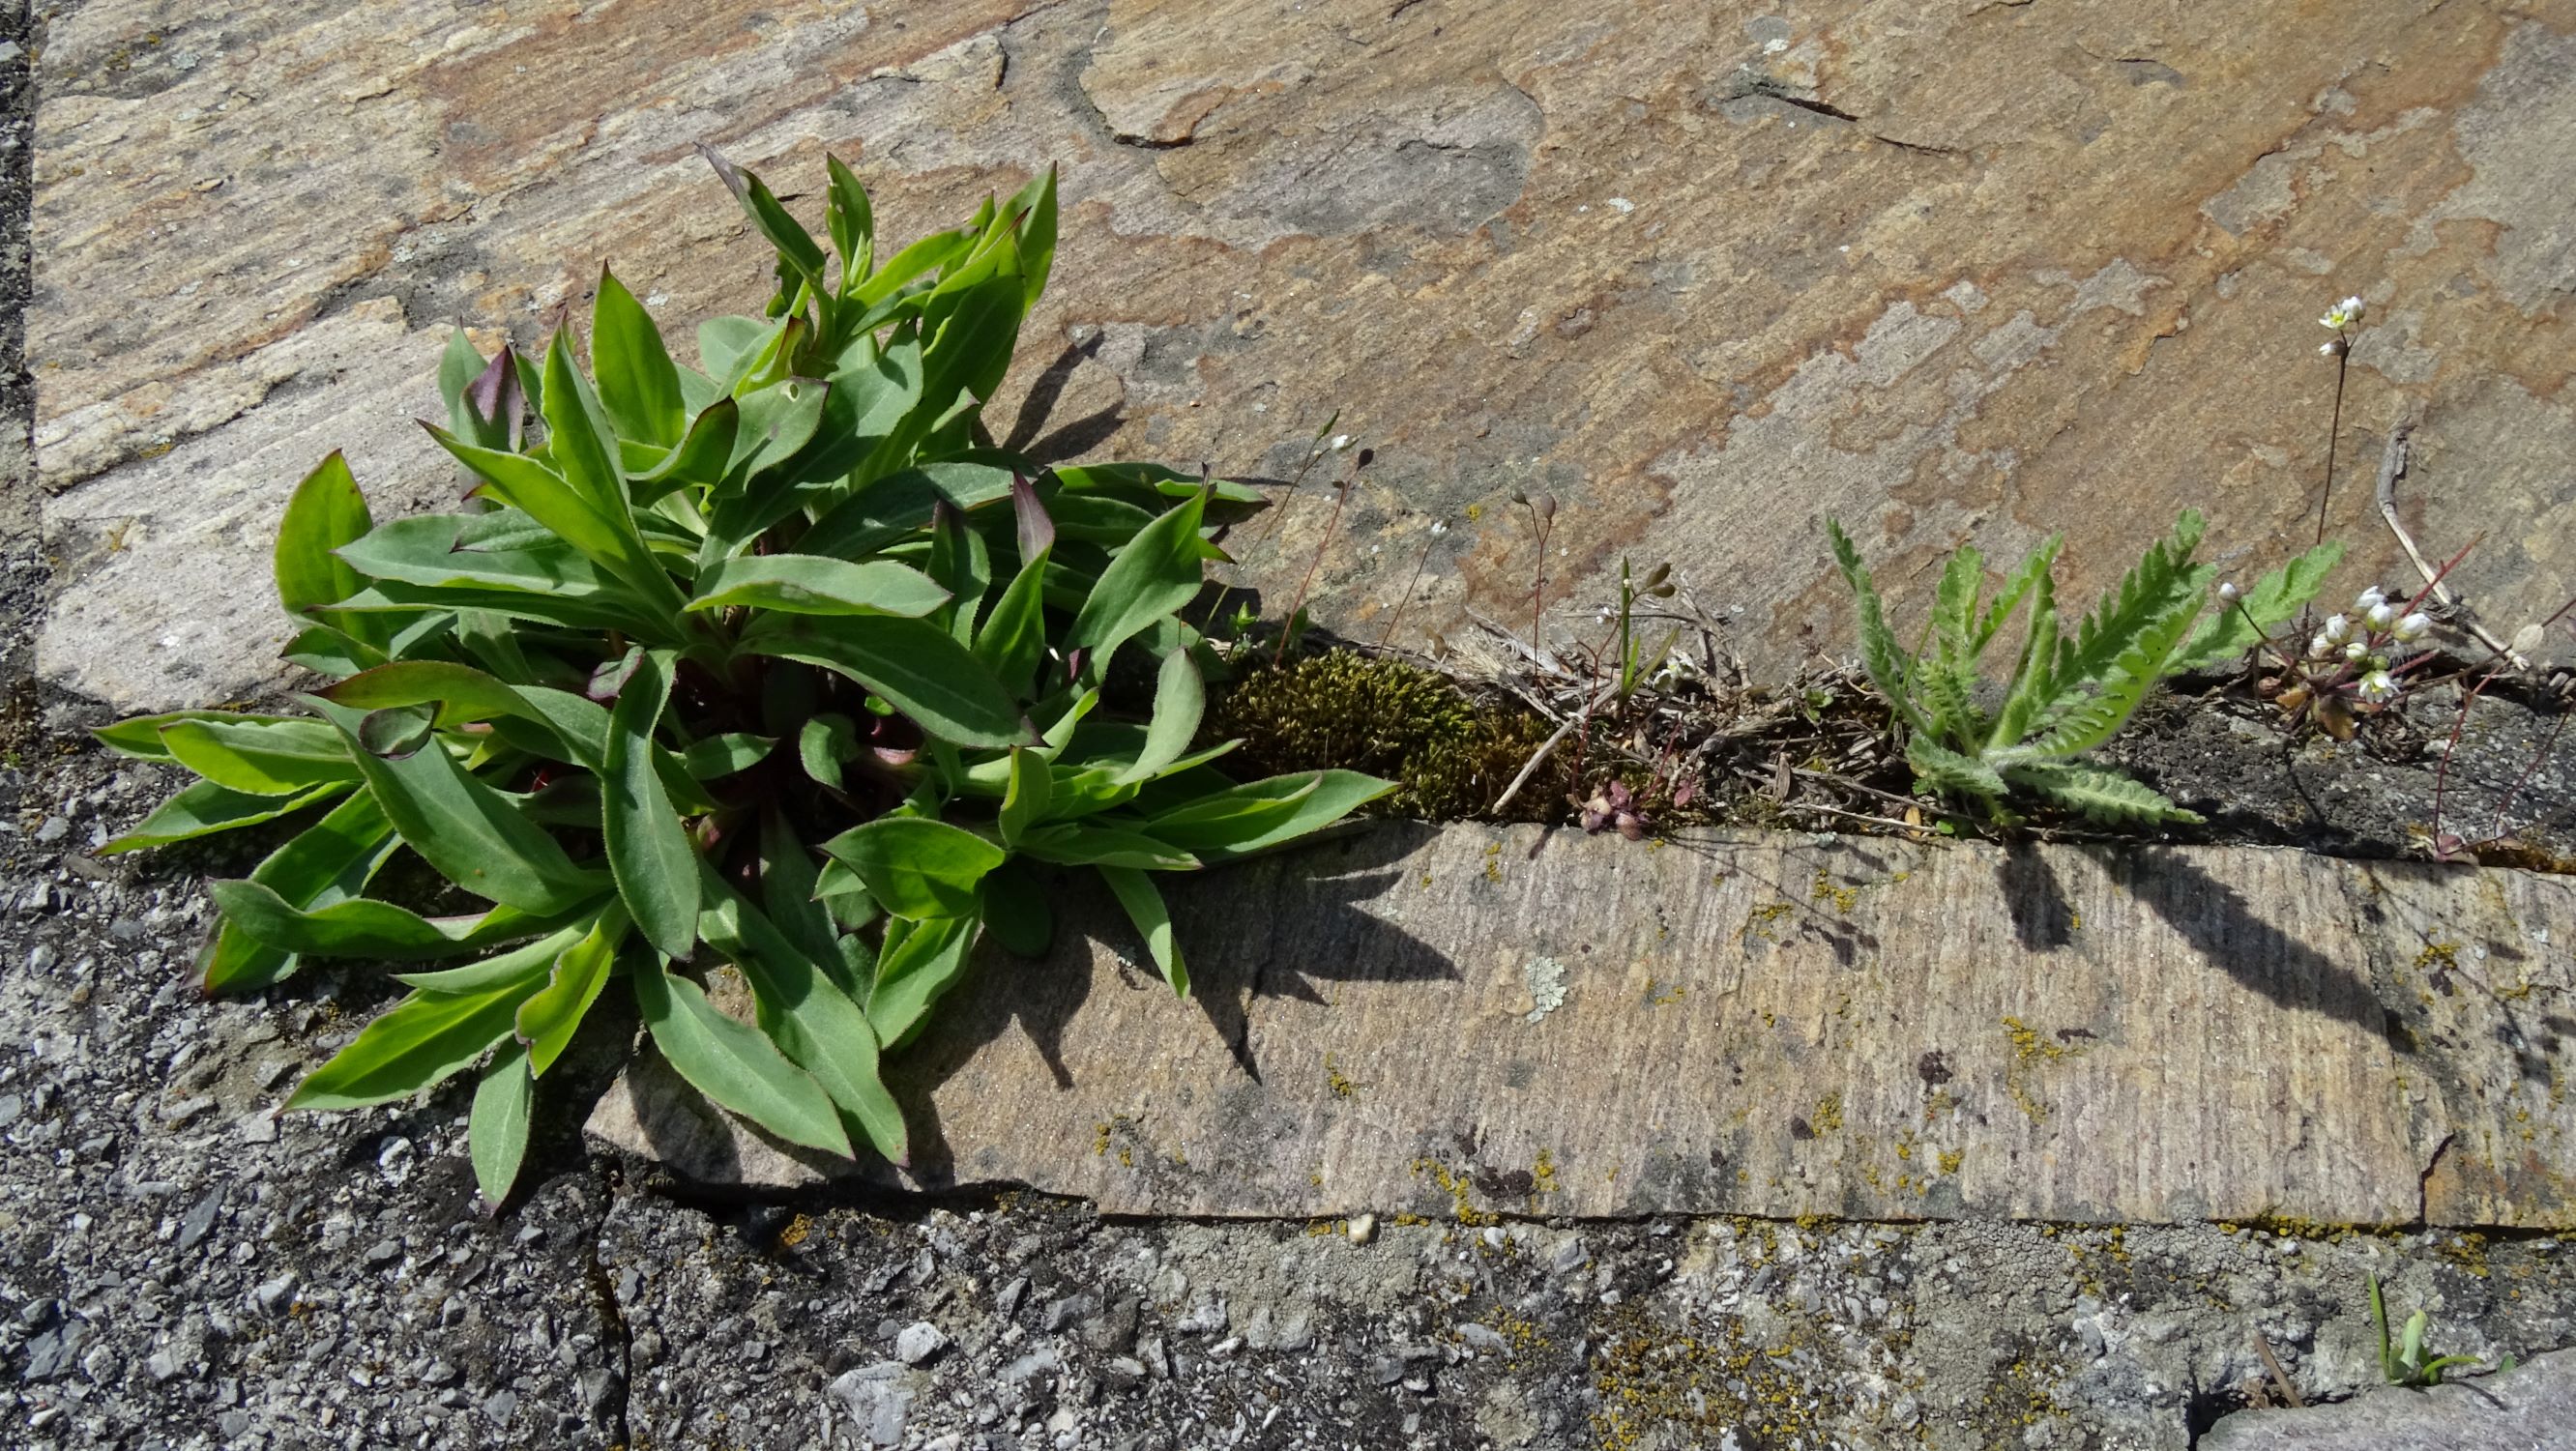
column 2381, row 615
column 2320, row 647
column 2356, row 652
column 2413, row 627
column 2370, row 597
column 1340, row 441
column 2377, row 688
column 2343, row 314
column 2228, row 592
column 1439, row 527
column 1602, row 618
column 2338, row 630
column 2331, row 349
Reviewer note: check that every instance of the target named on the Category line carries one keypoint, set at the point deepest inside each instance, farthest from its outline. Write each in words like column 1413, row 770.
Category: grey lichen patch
column 1546, row 979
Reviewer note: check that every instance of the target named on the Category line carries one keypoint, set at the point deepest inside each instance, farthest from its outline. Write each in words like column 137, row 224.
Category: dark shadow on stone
column 2043, row 920
column 1274, row 926
column 1080, row 436
column 2214, row 919
column 1039, row 406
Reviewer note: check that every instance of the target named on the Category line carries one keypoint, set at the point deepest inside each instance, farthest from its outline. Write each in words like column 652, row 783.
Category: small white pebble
column 1363, row 1228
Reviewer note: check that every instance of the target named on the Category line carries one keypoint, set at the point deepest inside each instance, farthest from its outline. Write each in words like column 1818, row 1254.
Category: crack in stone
column 616, row 1337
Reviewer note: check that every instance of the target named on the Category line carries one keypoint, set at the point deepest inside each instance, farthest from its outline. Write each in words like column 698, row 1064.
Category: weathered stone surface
column 1428, row 1021
column 1984, row 270
column 2533, row 1406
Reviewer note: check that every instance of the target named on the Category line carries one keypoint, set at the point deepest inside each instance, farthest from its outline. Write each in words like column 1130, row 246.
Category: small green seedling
column 2066, row 695
column 2404, row 1363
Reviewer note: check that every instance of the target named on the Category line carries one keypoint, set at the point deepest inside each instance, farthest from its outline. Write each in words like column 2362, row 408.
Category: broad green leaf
column 1156, row 574
column 465, row 695
column 717, row 757
column 789, row 892
column 1141, row 483
column 1207, row 827
column 336, row 653
column 1012, row 639
column 206, row 808
column 916, row 867
column 702, row 457
column 419, row 1041
column 925, row 256
column 1180, row 698
column 458, row 366
column 1144, row 903
column 550, row 581
column 621, row 568
column 639, row 385
column 808, row 1016
column 728, row 347
column 1234, row 813
column 960, row 564
column 1035, row 207
column 917, row 666
column 806, row 584
column 1016, row 911
column 496, row 1131
column 472, row 834
column 895, row 507
column 327, row 863
column 548, row 1019
column 140, row 736
column 367, row 927
column 733, row 1063
column 795, row 245
column 1030, row 793
column 852, row 223
column 277, row 758
column 325, row 512
column 648, row 848
column 917, row 964
column 527, row 963
column 1077, row 844
column 823, row 743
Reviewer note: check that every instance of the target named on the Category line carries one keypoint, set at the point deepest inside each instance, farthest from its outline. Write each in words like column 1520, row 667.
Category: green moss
column 1450, row 754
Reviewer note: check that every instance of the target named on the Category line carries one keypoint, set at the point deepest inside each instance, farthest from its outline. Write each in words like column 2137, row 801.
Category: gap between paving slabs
column 1470, row 1021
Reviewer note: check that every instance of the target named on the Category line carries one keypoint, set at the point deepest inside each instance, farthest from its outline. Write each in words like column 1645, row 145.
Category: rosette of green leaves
column 771, row 662
column 2067, row 693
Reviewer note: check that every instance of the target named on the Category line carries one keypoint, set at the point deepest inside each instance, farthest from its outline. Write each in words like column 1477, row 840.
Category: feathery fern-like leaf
column 2273, row 601
column 1937, row 766
column 2034, row 686
column 2162, row 579
column 2031, row 571
column 2087, row 721
column 1888, row 666
column 1948, row 671
column 2105, row 796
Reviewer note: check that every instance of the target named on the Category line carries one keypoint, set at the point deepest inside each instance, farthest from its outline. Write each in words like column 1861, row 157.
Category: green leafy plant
column 2405, row 1363
column 773, row 662
column 2067, row 693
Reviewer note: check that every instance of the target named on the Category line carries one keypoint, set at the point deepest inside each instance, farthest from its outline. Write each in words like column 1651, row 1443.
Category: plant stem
column 1288, row 627
column 1407, row 597
column 2334, row 429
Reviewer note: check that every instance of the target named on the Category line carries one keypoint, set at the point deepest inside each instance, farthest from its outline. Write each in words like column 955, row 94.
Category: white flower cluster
column 2364, row 642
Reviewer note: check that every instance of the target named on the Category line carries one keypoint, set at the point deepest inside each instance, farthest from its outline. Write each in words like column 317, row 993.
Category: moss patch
column 1450, row 754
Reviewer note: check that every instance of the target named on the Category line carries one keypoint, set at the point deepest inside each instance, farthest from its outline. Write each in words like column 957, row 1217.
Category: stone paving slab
column 1427, row 1021
column 1969, row 270
column 2530, row 1408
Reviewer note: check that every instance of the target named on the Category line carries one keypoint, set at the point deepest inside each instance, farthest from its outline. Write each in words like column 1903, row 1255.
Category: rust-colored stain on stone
column 1705, row 273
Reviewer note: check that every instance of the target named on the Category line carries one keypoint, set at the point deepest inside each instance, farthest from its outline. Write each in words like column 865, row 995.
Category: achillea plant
column 2067, row 694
